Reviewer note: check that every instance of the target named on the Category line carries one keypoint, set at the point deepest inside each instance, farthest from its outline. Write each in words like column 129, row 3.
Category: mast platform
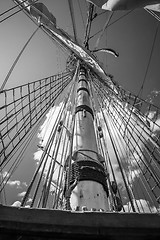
column 24, row 223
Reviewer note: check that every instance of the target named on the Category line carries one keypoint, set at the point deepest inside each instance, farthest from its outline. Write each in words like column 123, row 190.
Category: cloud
column 5, row 174
column 29, row 200
column 21, row 194
column 130, row 133
column 152, row 97
column 14, row 183
column 49, row 123
column 24, row 184
column 141, row 205
column 16, row 204
column 136, row 133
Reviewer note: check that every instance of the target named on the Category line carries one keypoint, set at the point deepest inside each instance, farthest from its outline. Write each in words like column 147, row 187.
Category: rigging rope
column 111, row 24
column 70, row 3
column 47, row 90
column 149, row 61
column 104, row 28
column 153, row 14
column 10, row 9
column 16, row 60
column 121, row 117
column 81, row 13
column 136, row 136
column 17, row 11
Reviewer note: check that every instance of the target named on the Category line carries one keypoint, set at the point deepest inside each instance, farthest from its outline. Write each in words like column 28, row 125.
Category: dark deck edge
column 46, row 223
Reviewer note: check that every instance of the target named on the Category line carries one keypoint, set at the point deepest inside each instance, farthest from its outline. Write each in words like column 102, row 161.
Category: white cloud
column 16, row 183
column 49, row 123
column 21, row 194
column 52, row 117
column 5, row 174
column 16, row 204
column 140, row 205
column 37, row 155
column 132, row 150
column 29, row 200
column 25, row 184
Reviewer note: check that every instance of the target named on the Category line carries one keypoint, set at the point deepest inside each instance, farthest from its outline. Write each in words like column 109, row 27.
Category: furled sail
column 114, row 5
column 41, row 12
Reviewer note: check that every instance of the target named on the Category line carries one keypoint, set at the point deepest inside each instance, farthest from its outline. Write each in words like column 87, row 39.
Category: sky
column 132, row 37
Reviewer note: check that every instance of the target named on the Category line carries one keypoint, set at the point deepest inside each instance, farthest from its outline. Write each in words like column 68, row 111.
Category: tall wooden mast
column 87, row 177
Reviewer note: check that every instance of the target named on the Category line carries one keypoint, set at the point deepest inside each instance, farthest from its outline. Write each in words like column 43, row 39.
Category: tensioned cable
column 20, row 156
column 10, row 114
column 119, row 112
column 151, row 173
column 103, row 151
column 17, row 11
column 51, row 171
column 131, row 143
column 149, row 61
column 66, row 146
column 118, row 143
column 70, row 4
column 117, row 158
column 23, row 127
column 153, row 14
column 53, row 139
column 111, row 24
column 104, row 28
column 10, row 9
column 81, row 13
column 148, row 134
column 143, row 130
column 64, row 49
column 48, row 147
column 117, row 150
column 46, row 186
column 16, row 60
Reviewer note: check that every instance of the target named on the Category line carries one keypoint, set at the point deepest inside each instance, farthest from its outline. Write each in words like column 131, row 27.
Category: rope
column 112, row 23
column 70, row 3
column 153, row 14
column 149, row 61
column 16, row 60
column 18, row 10
column 134, row 128
column 23, row 123
column 104, row 28
column 81, row 13
column 10, row 9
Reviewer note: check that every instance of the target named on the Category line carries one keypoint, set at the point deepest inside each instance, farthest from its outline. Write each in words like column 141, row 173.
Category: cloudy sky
column 132, row 36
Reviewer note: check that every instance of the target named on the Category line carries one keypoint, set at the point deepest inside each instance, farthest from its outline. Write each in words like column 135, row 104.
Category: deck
column 24, row 223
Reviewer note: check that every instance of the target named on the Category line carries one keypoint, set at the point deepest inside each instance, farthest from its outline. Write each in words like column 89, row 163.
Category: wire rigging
column 70, row 3
column 149, row 61
column 10, row 9
column 81, row 13
column 104, row 28
column 122, row 119
column 153, row 14
column 17, row 11
column 111, row 23
column 17, row 59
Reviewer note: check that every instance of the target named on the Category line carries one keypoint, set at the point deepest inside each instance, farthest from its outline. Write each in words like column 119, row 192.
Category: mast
column 86, row 176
